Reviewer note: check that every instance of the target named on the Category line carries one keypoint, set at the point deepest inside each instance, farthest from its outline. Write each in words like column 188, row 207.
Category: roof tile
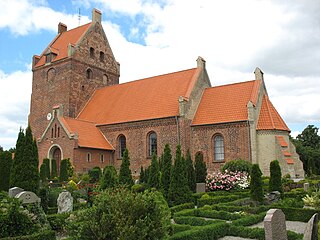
column 281, row 141
column 289, row 161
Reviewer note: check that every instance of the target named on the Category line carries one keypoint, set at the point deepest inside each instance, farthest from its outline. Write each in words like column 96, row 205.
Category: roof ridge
column 77, row 119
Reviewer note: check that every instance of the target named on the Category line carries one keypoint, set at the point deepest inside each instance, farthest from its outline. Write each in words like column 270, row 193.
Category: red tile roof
column 88, row 134
column 281, row 141
column 269, row 118
column 149, row 98
column 60, row 43
column 289, row 161
column 227, row 103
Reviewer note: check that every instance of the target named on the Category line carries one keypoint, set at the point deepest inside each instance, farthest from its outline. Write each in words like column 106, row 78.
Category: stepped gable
column 269, row 118
column 88, row 134
column 149, row 98
column 59, row 46
column 226, row 103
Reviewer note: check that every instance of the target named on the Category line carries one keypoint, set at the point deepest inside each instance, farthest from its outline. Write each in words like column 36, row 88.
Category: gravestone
column 27, row 197
column 273, row 197
column 65, row 202
column 306, row 186
column 275, row 225
column 311, row 231
column 200, row 188
column 14, row 191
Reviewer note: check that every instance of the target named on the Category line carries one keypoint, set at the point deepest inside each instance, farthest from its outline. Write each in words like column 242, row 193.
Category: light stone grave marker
column 275, row 225
column 28, row 197
column 200, row 188
column 311, row 231
column 306, row 186
column 65, row 202
column 14, row 191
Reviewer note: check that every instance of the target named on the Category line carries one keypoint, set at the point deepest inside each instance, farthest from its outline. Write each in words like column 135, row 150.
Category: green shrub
column 44, row 196
column 250, row 219
column 94, row 174
column 245, row 232
column 58, row 221
column 238, row 165
column 275, row 183
column 154, row 176
column 53, row 196
column 214, row 200
column 194, row 221
column 138, row 188
column 180, row 228
column 44, row 234
column 63, row 170
column 298, row 214
column 180, row 207
column 5, row 170
column 125, row 175
column 200, row 168
column 109, row 178
column 256, row 191
column 54, row 172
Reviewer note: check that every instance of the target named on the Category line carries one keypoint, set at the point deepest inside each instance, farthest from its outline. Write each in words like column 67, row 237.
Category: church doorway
column 56, row 154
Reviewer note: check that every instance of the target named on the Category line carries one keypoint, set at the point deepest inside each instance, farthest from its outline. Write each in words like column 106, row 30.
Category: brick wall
column 236, row 142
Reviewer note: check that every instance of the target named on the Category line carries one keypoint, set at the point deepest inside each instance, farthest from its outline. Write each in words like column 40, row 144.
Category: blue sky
column 150, row 37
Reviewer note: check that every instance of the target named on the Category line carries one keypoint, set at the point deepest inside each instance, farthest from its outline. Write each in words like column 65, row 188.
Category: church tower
column 70, row 69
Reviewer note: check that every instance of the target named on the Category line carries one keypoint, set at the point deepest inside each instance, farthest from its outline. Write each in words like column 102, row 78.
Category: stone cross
column 65, row 202
column 14, row 191
column 275, row 225
column 28, row 197
column 311, row 231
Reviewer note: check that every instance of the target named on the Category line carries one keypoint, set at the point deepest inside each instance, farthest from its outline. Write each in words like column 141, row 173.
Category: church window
column 51, row 75
column 102, row 158
column 152, row 143
column 55, row 130
column 218, row 148
column 105, row 79
column 51, row 132
column 101, row 56
column 92, row 52
column 89, row 74
column 88, row 157
column 122, row 145
column 58, row 131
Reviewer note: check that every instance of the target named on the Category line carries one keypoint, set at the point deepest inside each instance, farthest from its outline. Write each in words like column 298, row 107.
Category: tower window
column 89, row 74
column 122, row 145
column 102, row 158
column 218, row 148
column 92, row 52
column 88, row 157
column 101, row 56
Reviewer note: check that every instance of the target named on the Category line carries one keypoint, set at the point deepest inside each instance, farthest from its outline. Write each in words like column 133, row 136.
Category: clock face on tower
column 49, row 116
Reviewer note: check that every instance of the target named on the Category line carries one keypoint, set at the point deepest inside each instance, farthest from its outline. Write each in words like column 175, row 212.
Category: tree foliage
column 179, row 191
column 5, row 170
column 237, row 165
column 154, row 174
column 109, row 178
column 275, row 183
column 125, row 175
column 256, row 185
column 95, row 174
column 122, row 214
column 191, row 175
column 63, row 170
column 25, row 165
column 200, row 168
column 54, row 172
column 166, row 167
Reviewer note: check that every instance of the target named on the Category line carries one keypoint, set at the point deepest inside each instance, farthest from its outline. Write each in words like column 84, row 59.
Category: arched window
column 89, row 73
column 88, row 157
column 92, row 52
column 51, row 75
column 122, row 145
column 152, row 143
column 101, row 56
column 218, row 148
column 105, row 79
column 102, row 158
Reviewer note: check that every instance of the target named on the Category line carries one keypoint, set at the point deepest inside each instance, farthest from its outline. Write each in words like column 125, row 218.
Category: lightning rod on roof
column 79, row 17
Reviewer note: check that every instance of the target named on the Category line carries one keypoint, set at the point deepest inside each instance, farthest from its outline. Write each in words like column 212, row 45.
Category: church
column 80, row 111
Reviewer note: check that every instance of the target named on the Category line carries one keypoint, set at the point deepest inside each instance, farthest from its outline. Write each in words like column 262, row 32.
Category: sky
column 150, row 37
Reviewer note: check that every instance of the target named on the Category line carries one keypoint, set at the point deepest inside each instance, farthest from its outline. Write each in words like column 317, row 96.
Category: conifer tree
column 109, row 178
column 166, row 170
column 54, row 172
column 200, row 169
column 256, row 187
column 153, row 178
column 275, row 183
column 25, row 165
column 63, row 170
column 190, row 172
column 5, row 170
column 141, row 177
column 179, row 191
column 125, row 175
column 43, row 172
column 46, row 163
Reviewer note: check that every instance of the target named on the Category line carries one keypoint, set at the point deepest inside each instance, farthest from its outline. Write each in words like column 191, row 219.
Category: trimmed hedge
column 45, row 234
column 245, row 232
column 217, row 199
column 209, row 232
column 208, row 214
column 58, row 221
column 250, row 219
column 298, row 214
column 195, row 221
column 180, row 228
column 180, row 207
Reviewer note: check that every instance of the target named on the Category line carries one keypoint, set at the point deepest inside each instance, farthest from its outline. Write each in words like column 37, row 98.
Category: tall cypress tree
column 179, row 191
column 153, row 178
column 141, row 177
column 275, row 183
column 54, row 172
column 63, row 170
column 46, row 162
column 166, row 170
column 25, row 166
column 191, row 177
column 256, row 186
column 125, row 175
column 109, row 178
column 5, row 170
column 200, row 169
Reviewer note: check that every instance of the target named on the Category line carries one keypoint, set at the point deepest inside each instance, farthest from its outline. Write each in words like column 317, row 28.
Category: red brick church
column 80, row 111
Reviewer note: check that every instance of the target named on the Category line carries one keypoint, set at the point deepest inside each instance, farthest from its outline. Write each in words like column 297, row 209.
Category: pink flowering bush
column 227, row 181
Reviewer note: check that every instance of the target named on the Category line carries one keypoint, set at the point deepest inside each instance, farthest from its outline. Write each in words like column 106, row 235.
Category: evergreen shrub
column 63, row 170
column 275, row 183
column 256, row 190
column 94, row 174
column 238, row 165
column 125, row 175
column 109, row 178
column 5, row 170
column 200, row 169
